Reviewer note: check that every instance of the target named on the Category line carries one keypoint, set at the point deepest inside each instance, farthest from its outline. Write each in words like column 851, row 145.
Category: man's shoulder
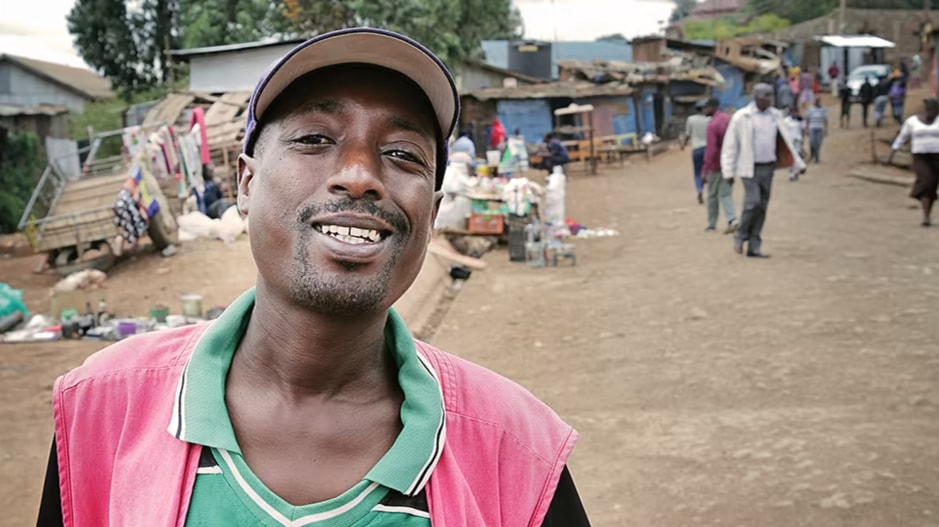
column 480, row 394
column 159, row 350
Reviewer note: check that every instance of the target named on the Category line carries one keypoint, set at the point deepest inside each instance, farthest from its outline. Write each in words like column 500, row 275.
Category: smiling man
column 308, row 402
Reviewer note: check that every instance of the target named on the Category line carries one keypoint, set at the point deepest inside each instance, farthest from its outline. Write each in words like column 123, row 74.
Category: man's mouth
column 351, row 235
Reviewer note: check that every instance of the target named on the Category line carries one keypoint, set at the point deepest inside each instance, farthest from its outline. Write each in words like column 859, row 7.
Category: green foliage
column 683, row 8
column 614, row 37
column 797, row 11
column 125, row 46
column 19, row 168
column 218, row 22
column 729, row 27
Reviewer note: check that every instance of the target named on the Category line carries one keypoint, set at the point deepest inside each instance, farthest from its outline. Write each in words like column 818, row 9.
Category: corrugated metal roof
column 553, row 90
column 856, row 41
column 82, row 81
column 225, row 48
column 10, row 110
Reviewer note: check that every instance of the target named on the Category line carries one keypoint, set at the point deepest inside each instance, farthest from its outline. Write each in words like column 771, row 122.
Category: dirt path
column 711, row 389
column 708, row 389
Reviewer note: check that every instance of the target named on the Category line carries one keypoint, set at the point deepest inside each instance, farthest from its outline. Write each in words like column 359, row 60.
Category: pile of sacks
column 194, row 225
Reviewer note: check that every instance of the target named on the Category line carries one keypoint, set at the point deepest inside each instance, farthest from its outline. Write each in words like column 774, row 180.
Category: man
column 555, row 153
column 806, row 89
column 833, row 72
column 881, row 98
column 817, row 121
column 845, row 95
column 308, row 400
column 755, row 145
column 784, row 98
column 866, row 95
column 720, row 190
column 696, row 132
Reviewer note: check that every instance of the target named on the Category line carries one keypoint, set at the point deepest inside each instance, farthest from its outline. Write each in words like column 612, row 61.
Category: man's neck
column 296, row 354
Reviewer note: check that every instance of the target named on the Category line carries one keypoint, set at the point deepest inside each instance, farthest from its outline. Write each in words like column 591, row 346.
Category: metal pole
column 841, row 10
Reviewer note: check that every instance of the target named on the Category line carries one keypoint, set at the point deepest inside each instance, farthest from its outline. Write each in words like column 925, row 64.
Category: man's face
column 340, row 190
column 763, row 99
column 709, row 110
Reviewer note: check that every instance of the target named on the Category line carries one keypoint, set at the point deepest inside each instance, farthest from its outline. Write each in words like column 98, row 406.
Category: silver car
column 859, row 75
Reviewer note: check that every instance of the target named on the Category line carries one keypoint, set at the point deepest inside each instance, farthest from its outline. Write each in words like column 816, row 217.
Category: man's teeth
column 351, row 234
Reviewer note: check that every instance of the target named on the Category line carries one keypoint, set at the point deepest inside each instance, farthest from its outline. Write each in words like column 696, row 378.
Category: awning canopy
column 855, row 41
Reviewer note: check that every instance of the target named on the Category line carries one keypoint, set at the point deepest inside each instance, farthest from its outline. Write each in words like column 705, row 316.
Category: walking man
column 756, row 144
column 817, row 121
column 866, row 94
column 696, row 133
column 833, row 81
column 719, row 190
column 845, row 94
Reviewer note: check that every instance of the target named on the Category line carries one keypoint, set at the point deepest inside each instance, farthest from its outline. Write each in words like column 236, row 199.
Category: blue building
column 497, row 52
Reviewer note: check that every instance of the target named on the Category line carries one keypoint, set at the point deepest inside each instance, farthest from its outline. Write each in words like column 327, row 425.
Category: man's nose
column 359, row 174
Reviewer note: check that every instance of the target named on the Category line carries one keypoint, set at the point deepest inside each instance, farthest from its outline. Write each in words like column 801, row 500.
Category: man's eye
column 314, row 140
column 404, row 156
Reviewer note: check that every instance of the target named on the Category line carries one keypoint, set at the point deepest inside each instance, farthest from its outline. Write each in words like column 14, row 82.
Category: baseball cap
column 376, row 47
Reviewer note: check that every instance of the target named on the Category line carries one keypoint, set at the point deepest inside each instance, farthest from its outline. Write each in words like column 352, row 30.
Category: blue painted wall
column 647, row 111
column 531, row 116
column 732, row 93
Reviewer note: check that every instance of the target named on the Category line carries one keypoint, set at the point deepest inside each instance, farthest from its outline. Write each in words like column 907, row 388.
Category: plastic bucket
column 493, row 157
column 192, row 305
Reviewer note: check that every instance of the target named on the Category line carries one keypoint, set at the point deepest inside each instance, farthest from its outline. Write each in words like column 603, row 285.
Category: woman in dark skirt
column 922, row 131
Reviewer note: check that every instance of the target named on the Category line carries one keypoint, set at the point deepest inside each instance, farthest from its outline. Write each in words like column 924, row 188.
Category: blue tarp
column 531, row 116
column 732, row 93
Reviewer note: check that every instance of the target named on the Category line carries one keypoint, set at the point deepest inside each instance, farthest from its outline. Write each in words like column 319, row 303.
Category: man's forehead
column 331, row 90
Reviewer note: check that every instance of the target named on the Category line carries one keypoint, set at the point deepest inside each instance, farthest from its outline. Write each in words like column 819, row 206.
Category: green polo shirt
column 228, row 493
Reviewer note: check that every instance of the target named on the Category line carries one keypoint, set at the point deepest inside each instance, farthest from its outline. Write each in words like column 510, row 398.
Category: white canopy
column 855, row 41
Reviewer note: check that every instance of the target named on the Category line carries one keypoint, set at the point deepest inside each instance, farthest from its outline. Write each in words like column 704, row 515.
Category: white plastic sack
column 230, row 225
column 555, row 194
column 453, row 212
column 197, row 225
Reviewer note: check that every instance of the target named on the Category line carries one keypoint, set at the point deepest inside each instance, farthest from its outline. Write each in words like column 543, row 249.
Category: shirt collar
column 200, row 414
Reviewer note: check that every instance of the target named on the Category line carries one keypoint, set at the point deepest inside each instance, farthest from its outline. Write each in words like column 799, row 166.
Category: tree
column 729, row 27
column 126, row 47
column 217, row 22
column 614, row 37
column 103, row 35
column 683, row 8
column 453, row 29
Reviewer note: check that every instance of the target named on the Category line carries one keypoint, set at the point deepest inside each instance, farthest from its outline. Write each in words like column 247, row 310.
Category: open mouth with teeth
column 353, row 235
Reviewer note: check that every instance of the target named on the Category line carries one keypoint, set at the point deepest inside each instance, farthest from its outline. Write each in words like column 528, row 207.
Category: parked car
column 859, row 75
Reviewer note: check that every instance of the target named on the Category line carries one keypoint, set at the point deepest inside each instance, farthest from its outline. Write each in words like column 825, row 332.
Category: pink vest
column 118, row 465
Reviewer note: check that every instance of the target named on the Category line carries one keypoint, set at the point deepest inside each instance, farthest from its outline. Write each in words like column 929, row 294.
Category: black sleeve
column 566, row 510
column 50, row 508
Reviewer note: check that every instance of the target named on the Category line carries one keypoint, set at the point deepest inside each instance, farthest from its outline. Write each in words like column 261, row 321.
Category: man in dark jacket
column 866, row 94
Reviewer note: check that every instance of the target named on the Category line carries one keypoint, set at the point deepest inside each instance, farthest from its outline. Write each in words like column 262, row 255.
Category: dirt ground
column 708, row 389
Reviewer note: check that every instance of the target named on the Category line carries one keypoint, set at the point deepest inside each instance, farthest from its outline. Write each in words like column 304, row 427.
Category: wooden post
column 593, row 157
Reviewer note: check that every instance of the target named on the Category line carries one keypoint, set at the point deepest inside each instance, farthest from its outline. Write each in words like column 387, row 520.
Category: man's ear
column 247, row 168
column 438, row 198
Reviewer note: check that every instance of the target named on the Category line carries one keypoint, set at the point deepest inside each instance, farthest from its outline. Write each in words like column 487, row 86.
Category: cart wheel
column 66, row 256
column 67, row 261
column 162, row 230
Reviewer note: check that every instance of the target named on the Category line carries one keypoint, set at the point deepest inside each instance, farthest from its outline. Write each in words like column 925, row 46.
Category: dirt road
column 709, row 389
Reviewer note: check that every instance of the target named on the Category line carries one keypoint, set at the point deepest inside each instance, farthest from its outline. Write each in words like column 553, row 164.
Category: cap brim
column 367, row 46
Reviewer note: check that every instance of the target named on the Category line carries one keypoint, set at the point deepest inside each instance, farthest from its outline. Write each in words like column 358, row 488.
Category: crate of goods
column 486, row 223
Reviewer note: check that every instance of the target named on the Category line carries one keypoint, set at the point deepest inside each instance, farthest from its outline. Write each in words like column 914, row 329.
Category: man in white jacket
column 755, row 145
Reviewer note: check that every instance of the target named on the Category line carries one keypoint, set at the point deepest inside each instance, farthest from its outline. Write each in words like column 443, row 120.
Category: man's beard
column 343, row 295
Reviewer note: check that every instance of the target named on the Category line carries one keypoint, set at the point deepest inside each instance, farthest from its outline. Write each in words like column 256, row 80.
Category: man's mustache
column 397, row 220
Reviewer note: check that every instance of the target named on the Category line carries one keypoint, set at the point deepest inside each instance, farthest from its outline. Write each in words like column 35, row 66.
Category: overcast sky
column 37, row 28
